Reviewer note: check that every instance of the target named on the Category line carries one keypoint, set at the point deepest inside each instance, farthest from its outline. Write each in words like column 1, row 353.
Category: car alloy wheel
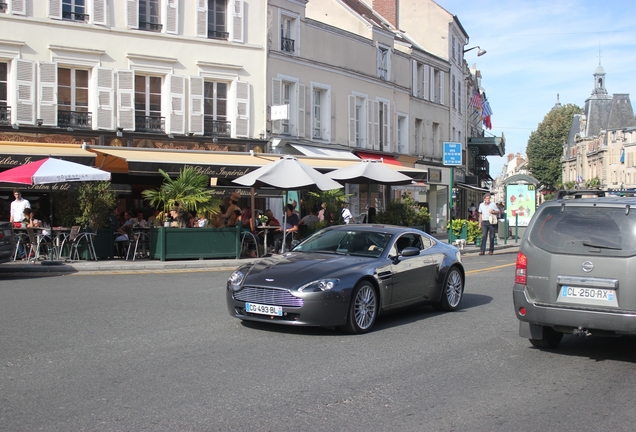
column 453, row 290
column 364, row 308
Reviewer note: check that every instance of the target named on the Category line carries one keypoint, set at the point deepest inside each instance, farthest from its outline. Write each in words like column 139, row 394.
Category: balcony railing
column 5, row 115
column 150, row 26
column 287, row 44
column 3, row 6
column 216, row 128
column 74, row 16
column 150, row 124
column 213, row 34
column 75, row 119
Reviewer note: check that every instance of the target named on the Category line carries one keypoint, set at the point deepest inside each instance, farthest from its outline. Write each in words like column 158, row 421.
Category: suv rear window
column 585, row 230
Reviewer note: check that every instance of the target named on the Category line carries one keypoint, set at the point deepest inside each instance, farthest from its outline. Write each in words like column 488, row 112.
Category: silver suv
column 576, row 268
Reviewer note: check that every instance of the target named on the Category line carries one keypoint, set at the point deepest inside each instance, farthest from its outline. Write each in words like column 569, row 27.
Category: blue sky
column 538, row 48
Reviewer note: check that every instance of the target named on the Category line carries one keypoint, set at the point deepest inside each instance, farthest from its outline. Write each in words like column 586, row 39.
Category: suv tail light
column 521, row 271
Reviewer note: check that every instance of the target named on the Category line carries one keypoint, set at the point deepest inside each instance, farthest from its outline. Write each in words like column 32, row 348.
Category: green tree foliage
column 189, row 190
column 404, row 213
column 96, row 201
column 545, row 145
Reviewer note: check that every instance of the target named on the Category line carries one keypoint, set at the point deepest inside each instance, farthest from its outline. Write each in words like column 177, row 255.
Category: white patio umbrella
column 367, row 172
column 52, row 170
column 287, row 173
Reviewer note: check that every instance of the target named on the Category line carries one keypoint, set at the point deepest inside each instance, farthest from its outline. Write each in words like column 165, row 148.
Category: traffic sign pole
column 450, row 205
column 452, row 158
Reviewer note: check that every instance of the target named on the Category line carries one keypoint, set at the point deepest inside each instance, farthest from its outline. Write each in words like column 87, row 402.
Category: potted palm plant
column 189, row 193
column 96, row 201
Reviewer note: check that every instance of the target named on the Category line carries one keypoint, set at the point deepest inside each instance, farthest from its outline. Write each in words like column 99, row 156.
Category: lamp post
column 480, row 53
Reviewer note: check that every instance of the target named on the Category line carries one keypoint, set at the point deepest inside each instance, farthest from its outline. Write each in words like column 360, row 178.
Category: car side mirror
column 410, row 251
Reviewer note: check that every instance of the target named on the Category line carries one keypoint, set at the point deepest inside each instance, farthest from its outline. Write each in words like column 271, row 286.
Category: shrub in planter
column 404, row 213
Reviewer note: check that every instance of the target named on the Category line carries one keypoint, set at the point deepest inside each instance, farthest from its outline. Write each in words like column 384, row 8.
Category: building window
column 317, row 112
column 148, row 104
column 5, row 111
column 361, row 121
column 217, row 13
column 383, row 63
column 149, row 15
column 287, row 43
column 402, row 139
column 459, row 96
column 435, row 137
column 453, row 95
column 418, row 137
column 383, row 125
column 215, row 109
column 74, row 10
column 286, row 100
column 72, row 99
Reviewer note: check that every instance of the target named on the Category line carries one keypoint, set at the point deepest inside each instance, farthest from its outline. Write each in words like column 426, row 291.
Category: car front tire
column 551, row 338
column 363, row 309
column 452, row 291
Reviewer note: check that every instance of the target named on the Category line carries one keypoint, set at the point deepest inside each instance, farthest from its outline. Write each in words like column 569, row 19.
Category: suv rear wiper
column 601, row 246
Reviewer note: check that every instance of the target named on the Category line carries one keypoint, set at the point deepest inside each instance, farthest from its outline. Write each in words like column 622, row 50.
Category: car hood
column 295, row 269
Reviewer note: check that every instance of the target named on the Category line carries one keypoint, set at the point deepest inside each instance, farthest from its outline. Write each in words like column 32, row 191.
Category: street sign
column 452, row 154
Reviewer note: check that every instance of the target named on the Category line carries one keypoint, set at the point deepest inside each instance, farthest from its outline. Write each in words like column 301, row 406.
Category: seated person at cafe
column 234, row 218
column 141, row 222
column 311, row 219
column 291, row 226
column 201, row 221
column 232, row 207
column 30, row 220
column 271, row 220
column 247, row 222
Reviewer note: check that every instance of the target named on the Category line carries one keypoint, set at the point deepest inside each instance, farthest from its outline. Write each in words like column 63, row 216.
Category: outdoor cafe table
column 266, row 229
column 57, row 235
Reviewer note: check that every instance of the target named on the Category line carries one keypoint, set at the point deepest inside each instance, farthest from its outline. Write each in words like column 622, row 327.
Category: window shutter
column 425, row 85
column 105, row 98
column 55, row 9
column 47, row 105
column 25, row 86
column 277, row 88
column 441, row 87
column 132, row 14
column 237, row 22
column 376, row 125
column 326, row 118
column 370, row 139
column 202, row 18
column 172, row 17
column 242, row 109
column 196, row 105
column 100, row 12
column 416, row 90
column 352, row 121
column 431, row 75
column 126, row 99
column 385, row 126
column 177, row 98
column 18, row 7
column 301, row 111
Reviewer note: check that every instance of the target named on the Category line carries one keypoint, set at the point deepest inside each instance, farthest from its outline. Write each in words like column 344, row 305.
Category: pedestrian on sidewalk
column 488, row 218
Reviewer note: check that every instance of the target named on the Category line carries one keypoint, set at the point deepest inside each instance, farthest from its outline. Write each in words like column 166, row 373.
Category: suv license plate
column 587, row 293
column 263, row 309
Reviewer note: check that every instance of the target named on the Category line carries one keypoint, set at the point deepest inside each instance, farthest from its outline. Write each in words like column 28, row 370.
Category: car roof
column 390, row 229
column 593, row 197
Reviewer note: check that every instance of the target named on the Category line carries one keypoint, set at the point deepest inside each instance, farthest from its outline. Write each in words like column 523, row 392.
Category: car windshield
column 348, row 242
column 586, row 230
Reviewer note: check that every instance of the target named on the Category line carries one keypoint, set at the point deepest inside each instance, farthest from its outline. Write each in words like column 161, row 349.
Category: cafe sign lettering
column 220, row 171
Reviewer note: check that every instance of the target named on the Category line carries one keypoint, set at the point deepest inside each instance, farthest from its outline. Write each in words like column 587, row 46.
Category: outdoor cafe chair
column 72, row 242
column 38, row 242
column 22, row 239
column 248, row 238
column 141, row 242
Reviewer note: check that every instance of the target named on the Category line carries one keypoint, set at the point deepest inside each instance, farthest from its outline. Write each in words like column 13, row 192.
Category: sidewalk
column 42, row 268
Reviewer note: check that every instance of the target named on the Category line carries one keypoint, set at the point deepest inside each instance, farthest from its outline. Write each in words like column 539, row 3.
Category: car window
column 426, row 242
column 593, row 230
column 404, row 241
column 350, row 242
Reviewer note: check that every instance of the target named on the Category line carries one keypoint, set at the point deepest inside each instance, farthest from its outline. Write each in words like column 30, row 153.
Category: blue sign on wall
column 452, row 154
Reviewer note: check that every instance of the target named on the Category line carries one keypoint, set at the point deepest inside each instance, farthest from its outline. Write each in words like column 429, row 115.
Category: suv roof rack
column 578, row 193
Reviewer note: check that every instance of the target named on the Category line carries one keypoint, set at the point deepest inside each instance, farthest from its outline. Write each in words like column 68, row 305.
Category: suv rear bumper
column 572, row 317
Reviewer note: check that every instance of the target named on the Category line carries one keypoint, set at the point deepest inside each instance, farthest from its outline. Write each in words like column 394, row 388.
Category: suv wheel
column 550, row 339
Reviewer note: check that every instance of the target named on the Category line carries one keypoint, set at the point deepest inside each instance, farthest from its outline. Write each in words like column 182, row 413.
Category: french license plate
column 588, row 293
column 263, row 309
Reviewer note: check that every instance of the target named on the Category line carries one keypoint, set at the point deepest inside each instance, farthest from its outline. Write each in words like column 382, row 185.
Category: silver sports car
column 347, row 275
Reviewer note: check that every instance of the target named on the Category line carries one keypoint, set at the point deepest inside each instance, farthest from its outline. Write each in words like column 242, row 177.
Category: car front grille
column 268, row 296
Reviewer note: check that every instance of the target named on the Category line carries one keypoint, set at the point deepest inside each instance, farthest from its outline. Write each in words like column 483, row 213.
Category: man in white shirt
column 18, row 206
column 486, row 209
column 347, row 217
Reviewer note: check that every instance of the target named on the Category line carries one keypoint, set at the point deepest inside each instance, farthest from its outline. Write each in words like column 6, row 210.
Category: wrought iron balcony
column 74, row 16
column 150, row 124
column 287, row 44
column 3, row 6
column 5, row 115
column 216, row 128
column 150, row 26
column 213, row 34
column 74, row 119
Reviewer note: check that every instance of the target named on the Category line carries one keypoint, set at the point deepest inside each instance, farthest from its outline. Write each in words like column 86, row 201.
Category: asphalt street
column 158, row 351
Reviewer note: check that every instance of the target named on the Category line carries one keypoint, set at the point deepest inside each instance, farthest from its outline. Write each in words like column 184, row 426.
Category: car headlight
column 235, row 280
column 319, row 285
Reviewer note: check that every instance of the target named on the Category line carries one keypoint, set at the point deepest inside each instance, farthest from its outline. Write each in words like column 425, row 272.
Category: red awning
column 388, row 159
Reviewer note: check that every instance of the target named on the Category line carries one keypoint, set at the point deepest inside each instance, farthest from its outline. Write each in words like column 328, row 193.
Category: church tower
column 599, row 81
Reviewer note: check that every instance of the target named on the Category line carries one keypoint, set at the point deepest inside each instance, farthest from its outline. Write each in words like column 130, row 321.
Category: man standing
column 18, row 206
column 488, row 213
column 347, row 217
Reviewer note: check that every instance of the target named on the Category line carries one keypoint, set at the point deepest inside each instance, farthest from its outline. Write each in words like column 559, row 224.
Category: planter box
column 194, row 243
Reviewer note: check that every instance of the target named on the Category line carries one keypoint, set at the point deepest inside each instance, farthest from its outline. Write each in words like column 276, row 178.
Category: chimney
column 388, row 9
